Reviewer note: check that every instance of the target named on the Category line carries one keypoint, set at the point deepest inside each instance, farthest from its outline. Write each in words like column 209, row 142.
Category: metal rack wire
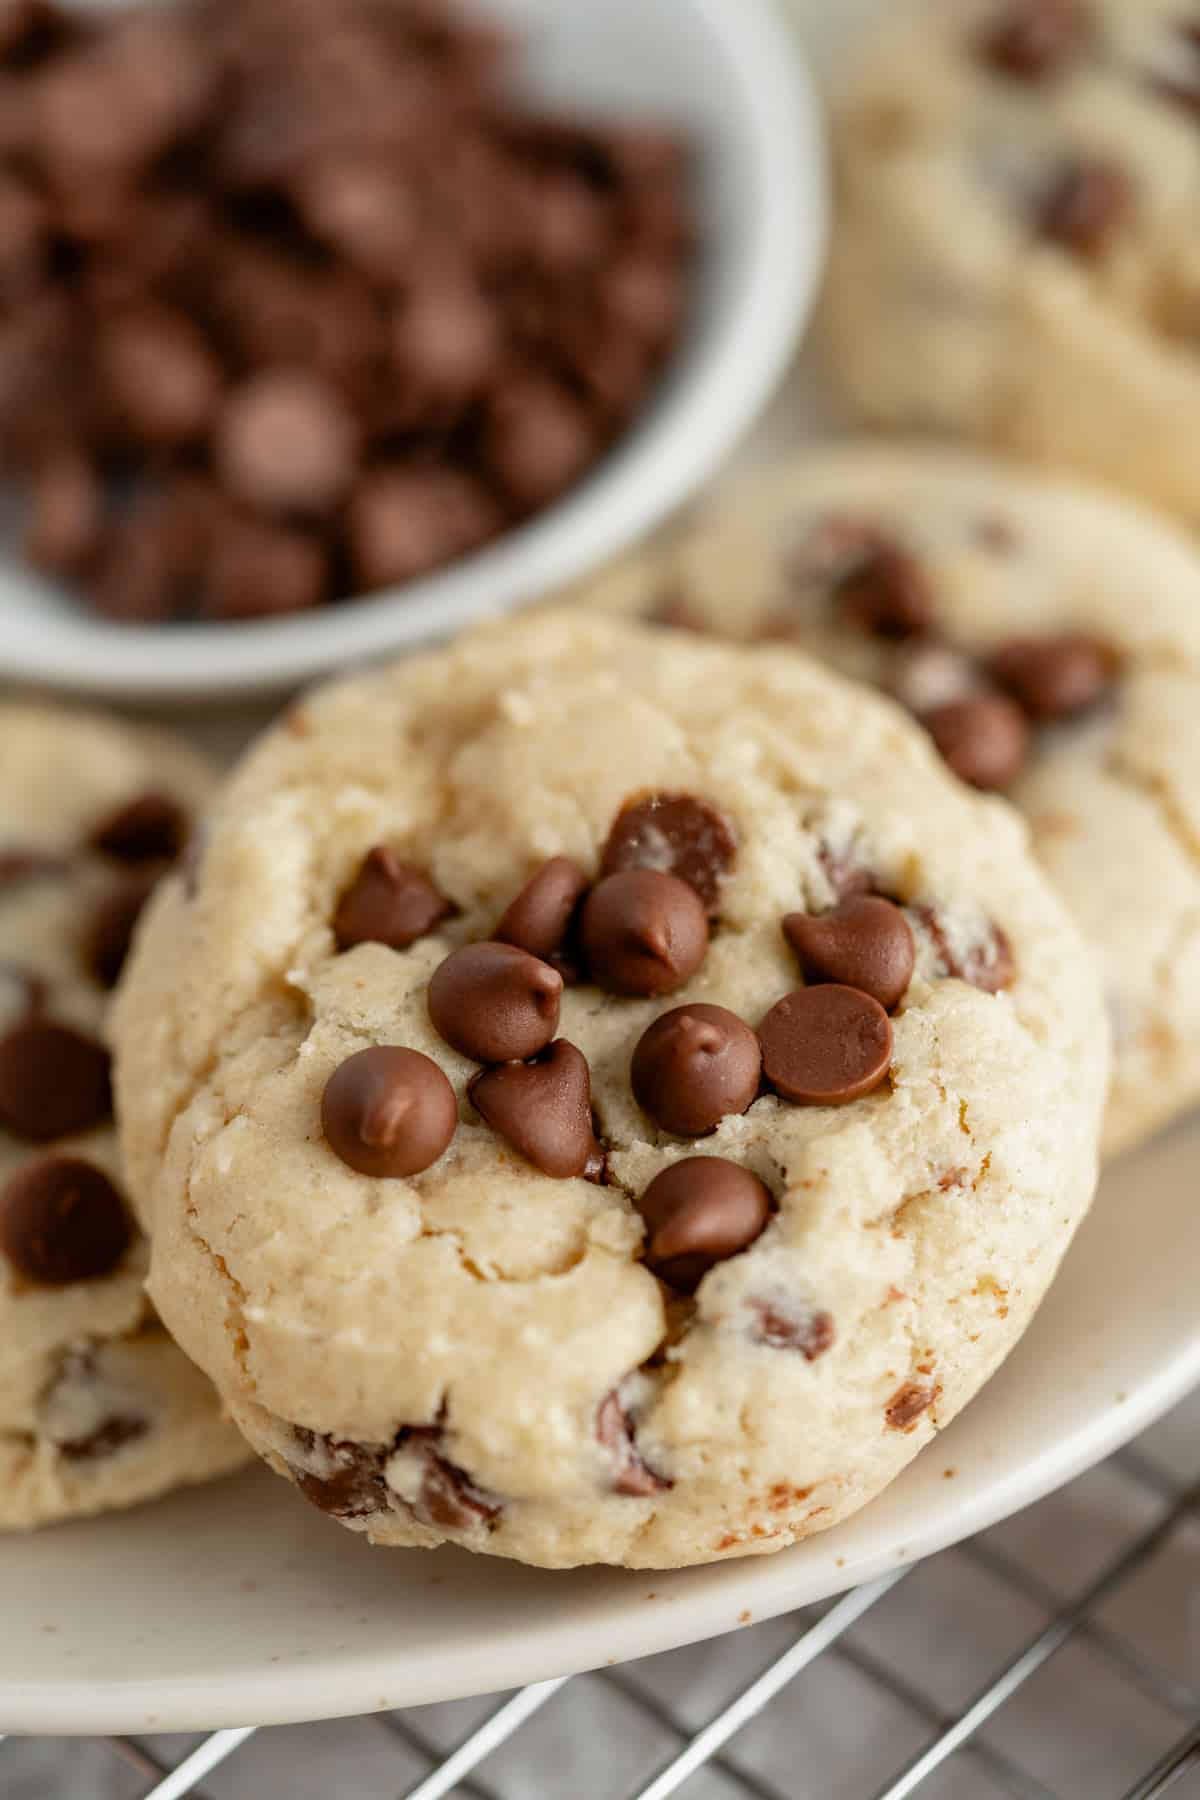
column 955, row 1751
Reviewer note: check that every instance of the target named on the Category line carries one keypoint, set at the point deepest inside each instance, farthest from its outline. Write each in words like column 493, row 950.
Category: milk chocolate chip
column 150, row 828
column 826, row 1045
column 695, row 1065
column 782, row 1322
column 540, row 917
column 1087, row 203
column 54, row 1081
column 984, row 739
column 495, row 1003
column 700, row 1212
column 634, row 1476
column 643, row 932
column 388, row 902
column 286, row 442
column 542, row 1107
column 887, row 594
column 388, row 1111
column 62, row 1220
column 677, row 834
column 864, row 943
column 1058, row 677
column 110, row 929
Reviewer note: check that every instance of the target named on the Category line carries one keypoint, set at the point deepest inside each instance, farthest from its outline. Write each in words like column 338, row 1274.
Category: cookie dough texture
column 502, row 1307
column 1111, row 801
column 949, row 307
column 86, row 1364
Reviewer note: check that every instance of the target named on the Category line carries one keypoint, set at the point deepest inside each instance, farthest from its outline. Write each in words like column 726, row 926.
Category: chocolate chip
column 20, row 863
column 62, row 1220
column 109, row 932
column 495, row 1003
column 907, row 1404
column 643, row 296
column 159, row 379
column 642, row 932
column 542, row 1107
column 1058, row 677
column 539, row 919
column 633, row 1475
column 66, row 521
column 784, row 1323
column 388, row 1111
column 536, row 440
column 864, row 943
column 257, row 569
column 887, row 594
column 151, row 828
column 678, row 834
column 388, row 902
column 984, row 960
column 54, row 1081
column 1086, row 204
column 826, row 1045
column 843, row 870
column 353, row 1485
column 447, row 1499
column 1030, row 40
column 356, row 204
column 22, row 993
column 984, row 739
column 404, row 521
column 286, row 442
column 445, row 350
column 700, row 1212
column 112, row 1434
column 695, row 1065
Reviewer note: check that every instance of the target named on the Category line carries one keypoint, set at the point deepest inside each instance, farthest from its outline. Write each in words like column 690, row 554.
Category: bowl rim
column 666, row 458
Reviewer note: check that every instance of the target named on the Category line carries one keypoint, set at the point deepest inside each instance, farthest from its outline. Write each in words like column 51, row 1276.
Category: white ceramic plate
column 727, row 70
column 237, row 1604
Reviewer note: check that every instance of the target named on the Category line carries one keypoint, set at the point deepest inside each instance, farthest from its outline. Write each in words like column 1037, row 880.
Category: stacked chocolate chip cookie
column 604, row 1096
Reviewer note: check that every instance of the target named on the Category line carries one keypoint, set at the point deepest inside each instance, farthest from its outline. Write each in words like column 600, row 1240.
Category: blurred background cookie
column 98, row 1408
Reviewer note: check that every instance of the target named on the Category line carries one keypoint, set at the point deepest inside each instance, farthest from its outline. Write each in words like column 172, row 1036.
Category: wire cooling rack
column 1055, row 1657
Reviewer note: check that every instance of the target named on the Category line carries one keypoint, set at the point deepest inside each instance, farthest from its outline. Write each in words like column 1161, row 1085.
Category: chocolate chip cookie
column 1048, row 639
column 1013, row 256
column 98, row 1408
column 608, row 1097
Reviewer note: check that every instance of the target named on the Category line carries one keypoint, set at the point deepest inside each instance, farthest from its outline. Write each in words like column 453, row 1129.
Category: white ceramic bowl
column 729, row 72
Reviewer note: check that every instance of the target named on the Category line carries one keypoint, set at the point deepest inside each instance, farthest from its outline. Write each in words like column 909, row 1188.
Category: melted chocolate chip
column 907, row 1404
column 864, row 943
column 62, row 1220
column 986, row 962
column 984, row 739
column 633, row 1475
column 353, row 1486
column 1085, row 206
column 109, row 931
column 784, row 1323
column 388, row 902
column 700, row 1212
column 543, row 1108
column 887, row 594
column 151, row 828
column 695, row 1065
column 448, row 1499
column 539, row 919
column 20, row 863
column 643, row 932
column 1055, row 678
column 388, row 1111
column 675, row 834
column 1031, row 40
column 825, row 1046
column 53, row 1081
column 110, row 1435
column 495, row 1003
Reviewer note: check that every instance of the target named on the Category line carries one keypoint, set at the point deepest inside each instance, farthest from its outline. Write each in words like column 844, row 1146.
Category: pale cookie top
column 461, row 1296
column 91, row 813
column 1015, row 253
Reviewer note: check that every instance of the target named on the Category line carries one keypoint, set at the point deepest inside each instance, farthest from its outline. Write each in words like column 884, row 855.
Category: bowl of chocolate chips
column 325, row 331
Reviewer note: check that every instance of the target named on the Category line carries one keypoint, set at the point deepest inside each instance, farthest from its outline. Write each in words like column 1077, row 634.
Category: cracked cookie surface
column 1014, row 258
column 549, row 1338
column 1000, row 576
column 98, row 1408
